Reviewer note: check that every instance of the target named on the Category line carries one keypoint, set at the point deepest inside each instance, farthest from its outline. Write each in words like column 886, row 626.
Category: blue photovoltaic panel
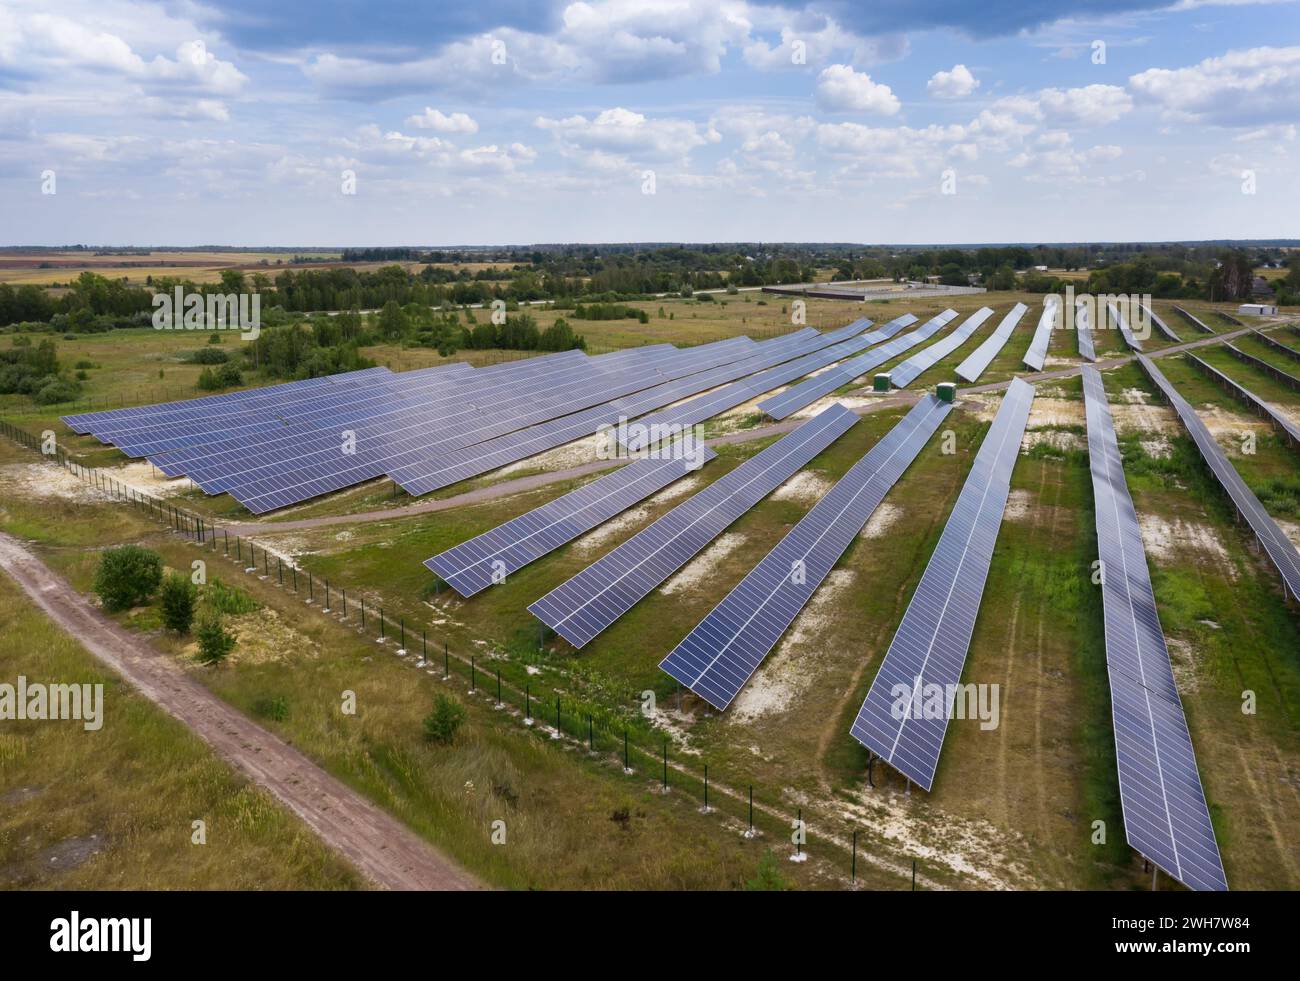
column 1048, row 320
column 905, row 373
column 720, row 655
column 982, row 356
column 489, row 558
column 1165, row 814
column 1194, row 320
column 1083, row 325
column 1280, row 421
column 1119, row 320
column 585, row 605
column 933, row 638
column 1163, row 327
column 1280, row 551
column 806, row 393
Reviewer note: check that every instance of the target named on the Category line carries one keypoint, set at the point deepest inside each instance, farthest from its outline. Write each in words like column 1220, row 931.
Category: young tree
column 177, row 603
column 215, row 643
column 442, row 724
column 127, row 576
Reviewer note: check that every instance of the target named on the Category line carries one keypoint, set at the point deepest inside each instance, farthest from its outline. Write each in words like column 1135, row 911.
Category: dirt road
column 381, row 848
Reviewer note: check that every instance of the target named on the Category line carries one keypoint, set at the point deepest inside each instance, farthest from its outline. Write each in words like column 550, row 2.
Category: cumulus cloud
column 956, row 84
column 622, row 131
column 841, row 89
column 457, row 122
column 1240, row 88
column 1091, row 105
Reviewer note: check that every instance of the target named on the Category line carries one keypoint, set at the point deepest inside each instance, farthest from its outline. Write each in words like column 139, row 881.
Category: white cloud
column 956, row 84
column 622, row 131
column 1240, row 88
column 457, row 122
column 841, row 89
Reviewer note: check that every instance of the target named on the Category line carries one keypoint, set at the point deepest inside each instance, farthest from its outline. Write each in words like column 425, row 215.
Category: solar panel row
column 1163, row 327
column 1048, row 320
column 905, row 373
column 1289, row 430
column 1165, row 814
column 1083, row 325
column 582, row 607
column 806, row 393
column 1280, row 551
column 979, row 359
column 483, row 561
column 1194, row 320
column 897, row 719
column 1259, row 364
column 1273, row 344
column 719, row 656
column 1119, row 320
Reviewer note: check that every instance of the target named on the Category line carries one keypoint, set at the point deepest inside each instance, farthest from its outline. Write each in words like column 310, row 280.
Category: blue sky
column 515, row 122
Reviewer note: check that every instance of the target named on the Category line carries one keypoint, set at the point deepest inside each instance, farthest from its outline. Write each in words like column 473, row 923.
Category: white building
column 1257, row 310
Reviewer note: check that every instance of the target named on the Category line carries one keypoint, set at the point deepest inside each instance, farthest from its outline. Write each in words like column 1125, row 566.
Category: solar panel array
column 905, row 373
column 709, row 404
column 1259, row 364
column 933, row 638
column 806, row 393
column 982, row 356
column 1163, row 327
column 1194, row 320
column 487, row 559
column 1280, row 551
column 1275, row 345
column 1047, row 320
column 1165, row 814
column 718, row 657
column 585, row 605
column 1082, row 321
column 1119, row 320
column 1280, row 421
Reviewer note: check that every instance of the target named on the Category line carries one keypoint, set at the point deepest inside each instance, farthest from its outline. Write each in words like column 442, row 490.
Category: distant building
column 1260, row 288
column 1040, row 269
column 1258, row 309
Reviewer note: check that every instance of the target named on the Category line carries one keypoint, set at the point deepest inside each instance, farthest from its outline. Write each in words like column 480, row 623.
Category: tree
column 392, row 321
column 215, row 642
column 177, row 603
column 127, row 576
column 442, row 724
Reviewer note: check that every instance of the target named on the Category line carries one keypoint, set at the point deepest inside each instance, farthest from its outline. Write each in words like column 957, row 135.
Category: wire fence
column 623, row 736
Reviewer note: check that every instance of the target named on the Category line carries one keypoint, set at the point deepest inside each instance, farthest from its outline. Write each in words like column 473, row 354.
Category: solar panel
column 806, row 393
column 1120, row 321
column 1083, row 325
column 1274, row 344
column 1259, row 364
column 1165, row 814
column 1281, row 422
column 480, row 562
column 927, row 358
column 930, row 646
column 1194, row 320
column 719, row 656
column 1163, row 327
column 1047, row 321
column 585, row 605
column 1280, row 551
column 979, row 359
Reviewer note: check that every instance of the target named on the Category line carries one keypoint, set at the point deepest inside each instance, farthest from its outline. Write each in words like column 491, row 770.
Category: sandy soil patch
column 622, row 525
column 1051, row 362
column 788, row 672
column 1229, row 428
column 806, row 487
column 143, row 477
column 262, row 637
column 881, row 520
column 1291, row 529
column 1182, row 658
column 573, row 454
column 1132, row 413
column 1058, row 439
column 47, row 480
column 1046, row 413
column 1158, row 449
column 1019, row 504
column 982, row 406
column 1165, row 539
column 699, row 569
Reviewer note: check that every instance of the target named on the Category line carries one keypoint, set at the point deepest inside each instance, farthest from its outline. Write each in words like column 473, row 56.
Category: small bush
column 230, row 600
column 177, row 602
column 127, row 576
column 767, row 878
column 215, row 642
column 273, row 707
column 442, row 724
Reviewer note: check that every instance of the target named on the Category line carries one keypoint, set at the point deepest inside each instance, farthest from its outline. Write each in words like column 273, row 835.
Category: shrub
column 177, row 603
column 215, row 642
column 228, row 599
column 442, row 724
column 127, row 576
column 58, row 390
